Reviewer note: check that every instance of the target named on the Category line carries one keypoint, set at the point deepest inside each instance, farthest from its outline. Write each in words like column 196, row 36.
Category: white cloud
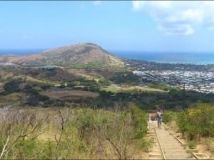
column 178, row 17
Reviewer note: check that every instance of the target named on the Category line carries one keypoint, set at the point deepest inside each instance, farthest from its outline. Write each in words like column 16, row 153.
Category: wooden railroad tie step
column 155, row 155
column 200, row 155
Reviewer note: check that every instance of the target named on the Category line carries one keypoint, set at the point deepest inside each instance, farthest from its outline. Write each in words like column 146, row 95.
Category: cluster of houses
column 190, row 80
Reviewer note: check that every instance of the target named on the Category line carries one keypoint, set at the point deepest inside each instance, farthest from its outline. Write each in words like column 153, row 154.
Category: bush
column 169, row 116
column 12, row 86
column 139, row 119
column 197, row 121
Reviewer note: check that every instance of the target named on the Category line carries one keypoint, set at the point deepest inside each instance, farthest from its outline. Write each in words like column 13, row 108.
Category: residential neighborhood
column 200, row 81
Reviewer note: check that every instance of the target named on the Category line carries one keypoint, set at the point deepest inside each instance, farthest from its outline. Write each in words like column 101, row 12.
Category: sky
column 149, row 26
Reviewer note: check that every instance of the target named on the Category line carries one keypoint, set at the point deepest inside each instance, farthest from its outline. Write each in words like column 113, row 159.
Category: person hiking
column 159, row 118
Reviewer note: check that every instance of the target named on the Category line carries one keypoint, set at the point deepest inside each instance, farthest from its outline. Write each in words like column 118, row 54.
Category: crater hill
column 83, row 55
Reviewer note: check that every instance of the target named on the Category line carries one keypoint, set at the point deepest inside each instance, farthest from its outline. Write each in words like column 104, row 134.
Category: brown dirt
column 203, row 148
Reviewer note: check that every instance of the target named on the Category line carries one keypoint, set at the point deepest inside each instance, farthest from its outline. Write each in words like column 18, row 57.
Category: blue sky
column 130, row 25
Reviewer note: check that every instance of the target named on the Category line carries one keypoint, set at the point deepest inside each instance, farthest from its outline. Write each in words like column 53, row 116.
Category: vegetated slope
column 79, row 55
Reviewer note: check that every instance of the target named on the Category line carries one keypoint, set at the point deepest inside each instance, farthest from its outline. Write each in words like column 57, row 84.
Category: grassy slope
column 129, row 88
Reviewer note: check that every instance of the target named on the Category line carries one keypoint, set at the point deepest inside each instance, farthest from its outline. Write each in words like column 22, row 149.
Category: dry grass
column 128, row 88
column 90, row 75
column 63, row 93
column 40, row 81
column 13, row 98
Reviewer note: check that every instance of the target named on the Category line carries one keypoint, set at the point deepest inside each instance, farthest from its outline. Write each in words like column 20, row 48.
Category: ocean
column 183, row 58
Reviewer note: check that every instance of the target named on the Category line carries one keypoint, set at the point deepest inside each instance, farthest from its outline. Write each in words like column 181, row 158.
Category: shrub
column 12, row 86
column 197, row 121
column 139, row 119
column 169, row 116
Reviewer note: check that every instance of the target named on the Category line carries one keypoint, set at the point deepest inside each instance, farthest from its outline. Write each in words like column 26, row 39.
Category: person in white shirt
column 159, row 118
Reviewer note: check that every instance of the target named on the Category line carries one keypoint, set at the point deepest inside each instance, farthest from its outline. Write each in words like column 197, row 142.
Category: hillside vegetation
column 72, row 133
column 195, row 124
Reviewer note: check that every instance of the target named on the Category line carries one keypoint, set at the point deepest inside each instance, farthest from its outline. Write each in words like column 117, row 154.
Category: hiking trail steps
column 165, row 146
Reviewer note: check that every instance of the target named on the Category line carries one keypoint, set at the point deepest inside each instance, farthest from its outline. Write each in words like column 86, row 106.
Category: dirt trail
column 165, row 145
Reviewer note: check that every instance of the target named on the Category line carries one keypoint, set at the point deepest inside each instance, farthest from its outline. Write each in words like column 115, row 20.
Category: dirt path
column 165, row 145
